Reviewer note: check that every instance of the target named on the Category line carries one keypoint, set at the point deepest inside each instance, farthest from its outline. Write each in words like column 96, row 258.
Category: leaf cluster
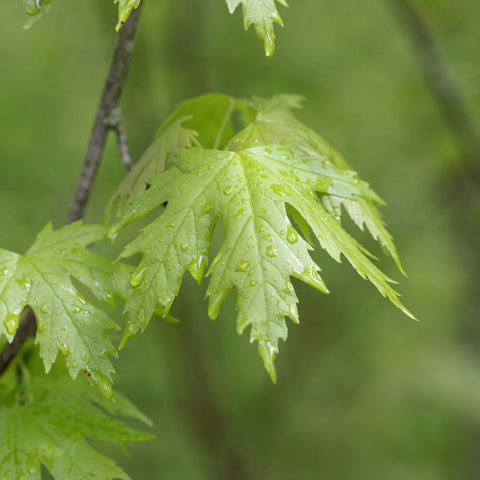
column 275, row 186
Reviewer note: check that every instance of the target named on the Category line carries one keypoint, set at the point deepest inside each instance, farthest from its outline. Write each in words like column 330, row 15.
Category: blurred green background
column 363, row 391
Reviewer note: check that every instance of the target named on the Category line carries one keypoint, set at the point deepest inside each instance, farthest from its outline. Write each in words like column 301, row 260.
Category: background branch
column 443, row 87
column 107, row 110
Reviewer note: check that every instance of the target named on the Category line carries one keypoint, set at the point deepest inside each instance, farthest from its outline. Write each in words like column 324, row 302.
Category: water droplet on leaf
column 138, row 275
column 292, row 235
column 10, row 323
column 272, row 251
column 242, row 266
column 240, row 212
column 278, row 190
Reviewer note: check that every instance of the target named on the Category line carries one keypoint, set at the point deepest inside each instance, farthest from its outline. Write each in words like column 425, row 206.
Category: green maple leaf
column 261, row 14
column 172, row 137
column 124, row 9
column 45, row 422
column 274, row 123
column 66, row 322
column 249, row 190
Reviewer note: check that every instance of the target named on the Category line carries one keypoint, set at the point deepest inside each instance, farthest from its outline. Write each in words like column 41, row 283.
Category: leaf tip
column 268, row 352
column 129, row 332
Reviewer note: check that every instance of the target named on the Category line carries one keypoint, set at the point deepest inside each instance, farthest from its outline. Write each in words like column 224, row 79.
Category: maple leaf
column 152, row 162
column 248, row 190
column 262, row 14
column 45, row 422
column 66, row 321
column 124, row 9
column 274, row 123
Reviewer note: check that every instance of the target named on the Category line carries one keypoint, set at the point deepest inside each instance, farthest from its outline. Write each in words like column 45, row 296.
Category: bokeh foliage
column 363, row 392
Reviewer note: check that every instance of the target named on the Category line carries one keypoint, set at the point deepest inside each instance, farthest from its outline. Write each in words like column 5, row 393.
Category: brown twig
column 103, row 123
column 107, row 110
column 443, row 87
column 117, row 127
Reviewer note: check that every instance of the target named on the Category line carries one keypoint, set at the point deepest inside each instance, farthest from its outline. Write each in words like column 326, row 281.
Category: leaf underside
column 273, row 170
column 66, row 321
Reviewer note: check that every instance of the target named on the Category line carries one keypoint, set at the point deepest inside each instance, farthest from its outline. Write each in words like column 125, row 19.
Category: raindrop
column 10, row 323
column 228, row 190
column 184, row 247
column 292, row 236
column 242, row 266
column 63, row 347
column 240, row 212
column 272, row 251
column 44, row 309
column 278, row 190
column 138, row 276
column 253, row 283
column 32, row 7
column 41, row 324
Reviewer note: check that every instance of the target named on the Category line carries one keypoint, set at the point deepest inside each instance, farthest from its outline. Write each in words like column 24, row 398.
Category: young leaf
column 248, row 190
column 66, row 322
column 46, row 422
column 262, row 14
column 150, row 165
column 275, row 123
column 124, row 9
column 210, row 116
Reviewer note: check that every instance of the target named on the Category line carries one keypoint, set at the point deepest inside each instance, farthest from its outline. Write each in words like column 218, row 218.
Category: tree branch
column 442, row 85
column 107, row 110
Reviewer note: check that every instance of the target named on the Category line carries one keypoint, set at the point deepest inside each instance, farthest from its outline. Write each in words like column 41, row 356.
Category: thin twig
column 116, row 124
column 108, row 106
column 442, row 85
